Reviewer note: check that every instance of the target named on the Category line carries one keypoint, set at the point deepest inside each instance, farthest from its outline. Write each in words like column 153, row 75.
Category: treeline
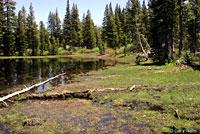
column 20, row 35
column 164, row 28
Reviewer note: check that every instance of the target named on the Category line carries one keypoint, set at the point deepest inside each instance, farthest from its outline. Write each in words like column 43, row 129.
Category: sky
column 43, row 7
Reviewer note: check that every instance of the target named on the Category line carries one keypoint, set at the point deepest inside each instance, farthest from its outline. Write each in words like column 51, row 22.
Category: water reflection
column 15, row 74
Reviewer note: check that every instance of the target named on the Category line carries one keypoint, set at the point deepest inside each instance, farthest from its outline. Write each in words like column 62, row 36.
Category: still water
column 16, row 74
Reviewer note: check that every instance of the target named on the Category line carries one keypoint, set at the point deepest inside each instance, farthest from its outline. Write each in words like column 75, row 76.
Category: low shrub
column 61, row 51
column 110, row 51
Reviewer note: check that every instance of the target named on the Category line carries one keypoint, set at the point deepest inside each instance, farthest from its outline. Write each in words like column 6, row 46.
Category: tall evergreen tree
column 118, row 25
column 124, row 21
column 133, row 24
column 194, row 25
column 76, row 24
column 43, row 42
column 89, row 39
column 110, row 34
column 163, row 21
column 105, row 24
column 58, row 27
column 180, row 8
column 113, row 38
column 2, row 25
column 98, row 36
column 32, row 32
column 67, row 26
column 51, row 24
column 9, row 38
column 142, row 27
column 54, row 25
column 20, row 35
column 144, row 20
column 24, row 17
column 47, row 41
column 54, row 46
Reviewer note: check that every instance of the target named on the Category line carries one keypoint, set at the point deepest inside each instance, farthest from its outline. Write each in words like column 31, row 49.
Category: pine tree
column 98, row 36
column 105, row 24
column 53, row 47
column 76, row 24
column 113, row 38
column 67, row 26
column 2, row 25
column 163, row 21
column 51, row 24
column 144, row 26
column 9, row 38
column 110, row 34
column 118, row 25
column 99, row 43
column 130, row 23
column 89, row 39
column 54, row 25
column 125, row 44
column 32, row 32
column 58, row 27
column 43, row 43
column 180, row 3
column 24, row 15
column 124, row 21
column 133, row 24
column 47, row 41
column 20, row 35
column 36, row 40
column 194, row 25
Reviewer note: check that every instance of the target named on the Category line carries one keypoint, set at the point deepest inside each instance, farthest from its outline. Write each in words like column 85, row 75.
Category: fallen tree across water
column 27, row 89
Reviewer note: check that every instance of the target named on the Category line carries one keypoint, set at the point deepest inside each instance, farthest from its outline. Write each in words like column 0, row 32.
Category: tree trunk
column 166, row 48
column 140, row 42
column 27, row 89
column 181, row 27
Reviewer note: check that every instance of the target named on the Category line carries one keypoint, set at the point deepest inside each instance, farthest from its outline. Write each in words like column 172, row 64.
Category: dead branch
column 177, row 114
column 131, row 89
column 140, row 42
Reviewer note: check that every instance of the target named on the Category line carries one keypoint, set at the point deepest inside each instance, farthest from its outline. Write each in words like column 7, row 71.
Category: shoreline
column 155, row 100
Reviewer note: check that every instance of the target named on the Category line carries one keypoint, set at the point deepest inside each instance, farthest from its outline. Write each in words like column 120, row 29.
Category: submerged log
column 29, row 88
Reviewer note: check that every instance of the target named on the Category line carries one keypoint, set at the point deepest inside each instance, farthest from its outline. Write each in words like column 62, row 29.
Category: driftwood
column 27, row 89
column 177, row 114
column 131, row 89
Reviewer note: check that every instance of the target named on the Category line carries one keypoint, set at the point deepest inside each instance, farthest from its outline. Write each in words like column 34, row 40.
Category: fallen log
column 72, row 94
column 62, row 95
column 29, row 88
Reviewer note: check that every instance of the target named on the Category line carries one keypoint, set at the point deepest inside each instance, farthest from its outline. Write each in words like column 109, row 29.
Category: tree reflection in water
column 15, row 74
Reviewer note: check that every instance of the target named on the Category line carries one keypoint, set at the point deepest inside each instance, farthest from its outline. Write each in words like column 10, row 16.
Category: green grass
column 178, row 92
column 151, row 76
column 168, row 92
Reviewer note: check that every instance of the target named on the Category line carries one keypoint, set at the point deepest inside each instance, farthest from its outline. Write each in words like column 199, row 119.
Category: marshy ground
column 166, row 99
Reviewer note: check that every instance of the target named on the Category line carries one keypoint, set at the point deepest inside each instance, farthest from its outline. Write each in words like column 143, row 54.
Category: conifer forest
column 164, row 28
column 136, row 72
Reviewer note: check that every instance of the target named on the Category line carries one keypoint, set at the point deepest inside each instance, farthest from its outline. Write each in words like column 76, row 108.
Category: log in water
column 29, row 88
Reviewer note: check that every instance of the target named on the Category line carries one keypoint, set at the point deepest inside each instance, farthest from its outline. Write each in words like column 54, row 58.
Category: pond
column 16, row 74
